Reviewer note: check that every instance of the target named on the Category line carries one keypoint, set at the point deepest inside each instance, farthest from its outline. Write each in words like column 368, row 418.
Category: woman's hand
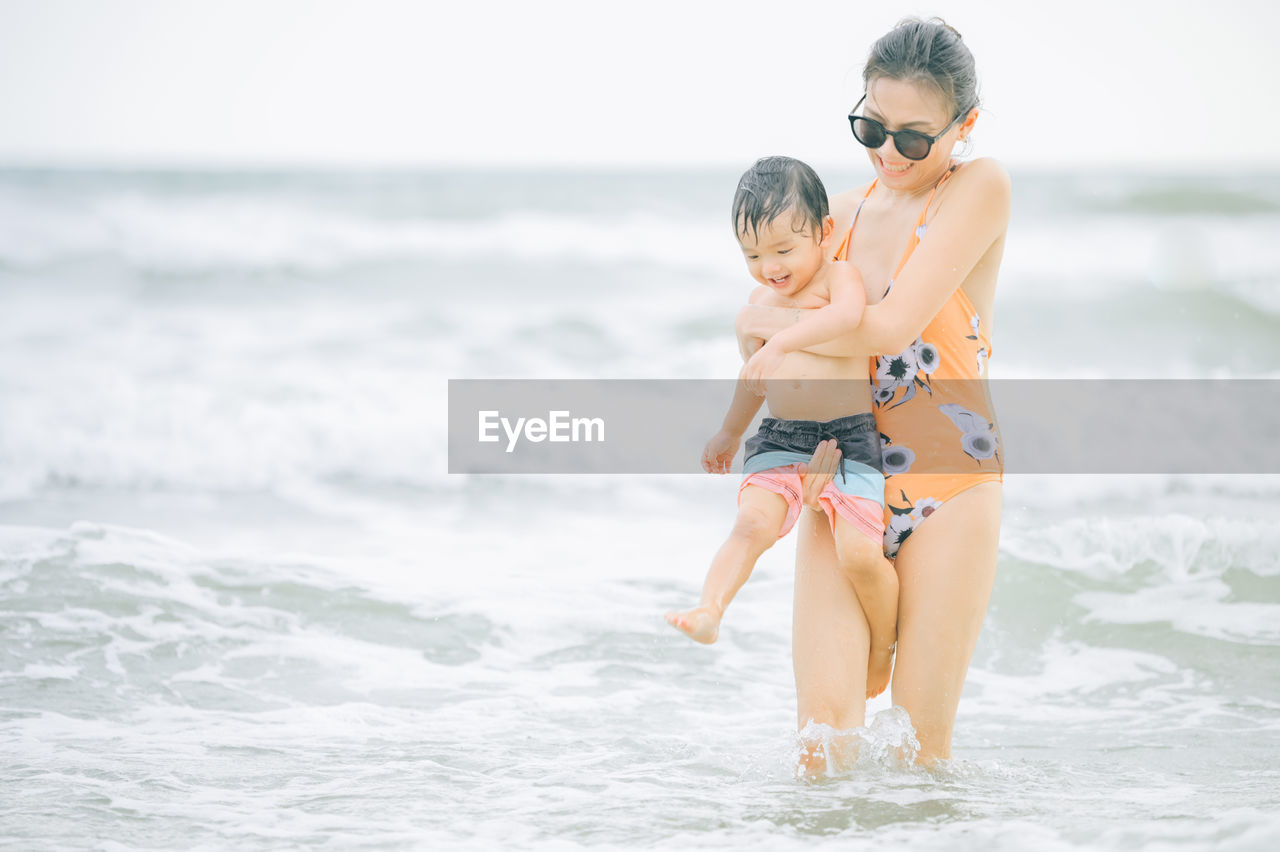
column 821, row 469
column 749, row 346
column 754, row 322
column 760, row 366
column 719, row 452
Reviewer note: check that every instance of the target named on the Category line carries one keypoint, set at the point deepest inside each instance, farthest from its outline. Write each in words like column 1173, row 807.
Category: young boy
column 781, row 219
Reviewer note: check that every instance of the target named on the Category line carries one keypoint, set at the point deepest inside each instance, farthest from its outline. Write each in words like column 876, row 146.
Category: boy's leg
column 760, row 516
column 876, row 583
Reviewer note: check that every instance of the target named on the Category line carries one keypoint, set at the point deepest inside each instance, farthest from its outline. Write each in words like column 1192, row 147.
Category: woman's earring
column 967, row 149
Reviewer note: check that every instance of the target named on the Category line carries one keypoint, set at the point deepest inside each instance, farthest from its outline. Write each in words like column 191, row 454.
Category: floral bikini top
column 931, row 402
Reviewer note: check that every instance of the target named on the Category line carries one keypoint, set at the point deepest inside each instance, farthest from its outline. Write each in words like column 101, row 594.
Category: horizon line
column 305, row 165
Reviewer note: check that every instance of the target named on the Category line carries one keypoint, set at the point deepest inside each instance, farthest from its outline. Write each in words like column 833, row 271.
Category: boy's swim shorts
column 857, row 491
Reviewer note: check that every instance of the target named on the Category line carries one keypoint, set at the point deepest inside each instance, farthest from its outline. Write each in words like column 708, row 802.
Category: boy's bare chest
column 816, row 295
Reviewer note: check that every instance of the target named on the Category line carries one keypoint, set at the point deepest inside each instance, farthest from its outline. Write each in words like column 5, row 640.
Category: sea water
column 243, row 605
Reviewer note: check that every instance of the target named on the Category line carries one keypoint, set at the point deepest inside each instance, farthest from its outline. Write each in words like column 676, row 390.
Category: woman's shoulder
column 851, row 196
column 984, row 174
column 982, row 184
column 844, row 203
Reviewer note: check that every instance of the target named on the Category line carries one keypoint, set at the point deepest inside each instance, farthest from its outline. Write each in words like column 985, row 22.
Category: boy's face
column 782, row 258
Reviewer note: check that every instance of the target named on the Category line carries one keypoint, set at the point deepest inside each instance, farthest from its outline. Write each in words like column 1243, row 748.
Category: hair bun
column 935, row 20
column 932, row 50
column 955, row 32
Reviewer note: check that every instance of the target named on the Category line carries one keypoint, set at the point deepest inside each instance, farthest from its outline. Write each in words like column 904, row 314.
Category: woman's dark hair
column 774, row 186
column 929, row 51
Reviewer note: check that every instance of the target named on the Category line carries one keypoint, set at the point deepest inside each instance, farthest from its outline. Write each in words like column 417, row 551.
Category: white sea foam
column 563, row 678
column 1181, row 548
column 1082, row 686
column 1202, row 609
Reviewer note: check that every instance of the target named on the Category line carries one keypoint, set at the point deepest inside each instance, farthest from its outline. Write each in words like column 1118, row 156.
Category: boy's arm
column 848, row 302
column 723, row 446
column 744, row 406
column 961, row 236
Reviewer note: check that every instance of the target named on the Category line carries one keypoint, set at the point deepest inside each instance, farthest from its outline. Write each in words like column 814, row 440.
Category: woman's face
column 903, row 105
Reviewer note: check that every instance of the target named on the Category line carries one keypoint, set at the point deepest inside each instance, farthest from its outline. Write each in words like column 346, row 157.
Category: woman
column 928, row 241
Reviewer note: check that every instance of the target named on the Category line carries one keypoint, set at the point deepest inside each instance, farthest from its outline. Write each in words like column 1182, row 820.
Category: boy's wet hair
column 777, row 186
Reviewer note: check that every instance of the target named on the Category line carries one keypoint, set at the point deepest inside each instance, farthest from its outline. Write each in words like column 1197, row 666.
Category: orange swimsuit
column 932, row 407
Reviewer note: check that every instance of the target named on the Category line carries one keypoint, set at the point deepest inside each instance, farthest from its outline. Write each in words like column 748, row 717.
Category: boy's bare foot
column 879, row 668
column 702, row 624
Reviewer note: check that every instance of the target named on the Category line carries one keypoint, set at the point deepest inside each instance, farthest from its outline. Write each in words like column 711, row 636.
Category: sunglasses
column 911, row 144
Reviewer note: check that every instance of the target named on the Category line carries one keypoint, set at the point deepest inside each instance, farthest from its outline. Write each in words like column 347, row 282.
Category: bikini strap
column 842, row 253
column 918, row 231
column 925, row 212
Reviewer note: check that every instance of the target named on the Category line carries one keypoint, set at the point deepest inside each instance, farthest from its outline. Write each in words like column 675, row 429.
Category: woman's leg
column 830, row 639
column 945, row 570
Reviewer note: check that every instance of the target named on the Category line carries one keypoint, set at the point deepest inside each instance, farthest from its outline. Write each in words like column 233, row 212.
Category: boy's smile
column 781, row 258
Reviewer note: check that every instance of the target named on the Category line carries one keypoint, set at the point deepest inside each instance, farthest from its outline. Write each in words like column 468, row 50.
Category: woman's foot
column 833, row 754
column 879, row 669
column 812, row 764
column 701, row 624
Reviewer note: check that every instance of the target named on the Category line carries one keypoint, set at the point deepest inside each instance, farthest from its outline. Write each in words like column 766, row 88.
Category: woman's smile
column 892, row 168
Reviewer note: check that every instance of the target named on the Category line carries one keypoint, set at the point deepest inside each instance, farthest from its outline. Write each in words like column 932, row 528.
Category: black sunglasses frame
column 908, row 134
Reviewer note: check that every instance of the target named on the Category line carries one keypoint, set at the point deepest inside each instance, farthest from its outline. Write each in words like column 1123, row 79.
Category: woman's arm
column 848, row 301
column 975, row 215
column 757, row 321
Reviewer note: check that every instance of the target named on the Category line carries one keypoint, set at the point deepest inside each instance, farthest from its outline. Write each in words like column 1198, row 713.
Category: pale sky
column 388, row 82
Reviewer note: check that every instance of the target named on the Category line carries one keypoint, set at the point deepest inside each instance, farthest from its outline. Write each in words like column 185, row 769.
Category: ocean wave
column 247, row 424
column 1171, row 547
column 243, row 233
column 1215, row 578
column 291, row 700
column 1192, row 199
column 1078, row 254
column 128, row 612
column 1168, row 196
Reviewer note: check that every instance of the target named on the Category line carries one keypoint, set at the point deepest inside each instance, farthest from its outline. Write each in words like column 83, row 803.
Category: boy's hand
column 761, row 366
column 719, row 452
